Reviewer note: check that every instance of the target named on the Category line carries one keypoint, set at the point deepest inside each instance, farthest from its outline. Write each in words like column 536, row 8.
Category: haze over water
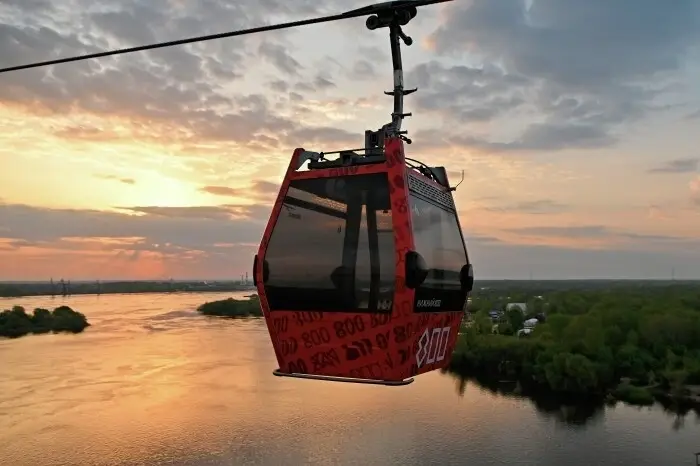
column 152, row 382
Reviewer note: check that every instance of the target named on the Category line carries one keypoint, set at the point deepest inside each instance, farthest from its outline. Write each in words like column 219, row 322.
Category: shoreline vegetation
column 634, row 343
column 68, row 288
column 623, row 341
column 17, row 289
column 572, row 410
column 16, row 322
column 233, row 308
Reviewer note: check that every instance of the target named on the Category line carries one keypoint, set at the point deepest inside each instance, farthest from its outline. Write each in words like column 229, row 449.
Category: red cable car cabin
column 362, row 271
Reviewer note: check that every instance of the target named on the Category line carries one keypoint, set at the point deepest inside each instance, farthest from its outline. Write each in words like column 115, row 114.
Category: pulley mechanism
column 392, row 15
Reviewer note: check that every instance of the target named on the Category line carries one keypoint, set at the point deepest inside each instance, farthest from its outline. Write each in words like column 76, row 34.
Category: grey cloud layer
column 227, row 235
column 586, row 67
column 182, row 86
column 688, row 165
column 166, row 230
column 580, row 69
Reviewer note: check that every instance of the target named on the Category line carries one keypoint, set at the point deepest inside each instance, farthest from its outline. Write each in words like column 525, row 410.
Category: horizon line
column 250, row 281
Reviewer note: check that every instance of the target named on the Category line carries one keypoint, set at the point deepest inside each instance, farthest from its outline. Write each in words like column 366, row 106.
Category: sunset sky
column 577, row 125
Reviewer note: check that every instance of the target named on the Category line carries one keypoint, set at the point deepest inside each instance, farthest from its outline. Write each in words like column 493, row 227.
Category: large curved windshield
column 437, row 237
column 332, row 247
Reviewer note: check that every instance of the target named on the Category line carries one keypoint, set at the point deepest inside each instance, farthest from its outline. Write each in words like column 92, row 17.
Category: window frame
column 424, row 293
column 358, row 221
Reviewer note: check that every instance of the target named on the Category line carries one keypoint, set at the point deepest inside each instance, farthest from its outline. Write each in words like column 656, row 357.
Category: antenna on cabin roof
column 392, row 15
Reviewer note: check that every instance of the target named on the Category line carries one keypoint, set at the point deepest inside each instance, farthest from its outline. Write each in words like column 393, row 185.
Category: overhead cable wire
column 365, row 11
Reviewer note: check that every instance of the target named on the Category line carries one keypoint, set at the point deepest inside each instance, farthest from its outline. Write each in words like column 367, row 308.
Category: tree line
column 16, row 322
column 629, row 341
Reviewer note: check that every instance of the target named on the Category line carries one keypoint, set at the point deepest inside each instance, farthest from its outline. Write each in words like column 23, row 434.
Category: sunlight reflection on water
column 153, row 382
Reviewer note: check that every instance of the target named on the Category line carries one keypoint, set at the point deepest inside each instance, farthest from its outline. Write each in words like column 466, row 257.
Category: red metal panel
column 407, row 348
column 341, row 171
column 362, row 345
column 274, row 215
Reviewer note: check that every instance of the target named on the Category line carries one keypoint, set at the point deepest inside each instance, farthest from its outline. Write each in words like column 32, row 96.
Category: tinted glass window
column 332, row 248
column 438, row 239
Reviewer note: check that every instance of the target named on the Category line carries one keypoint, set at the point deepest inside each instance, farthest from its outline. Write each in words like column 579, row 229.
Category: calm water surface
column 152, row 382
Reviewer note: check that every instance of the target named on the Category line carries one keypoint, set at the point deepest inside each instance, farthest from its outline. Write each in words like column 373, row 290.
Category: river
column 151, row 382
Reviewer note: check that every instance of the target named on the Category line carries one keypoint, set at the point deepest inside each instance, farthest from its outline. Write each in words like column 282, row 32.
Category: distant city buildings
column 244, row 280
column 101, row 287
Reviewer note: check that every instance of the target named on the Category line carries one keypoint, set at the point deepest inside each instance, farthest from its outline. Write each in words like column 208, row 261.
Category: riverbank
column 568, row 409
column 191, row 381
column 561, row 381
column 632, row 343
column 67, row 288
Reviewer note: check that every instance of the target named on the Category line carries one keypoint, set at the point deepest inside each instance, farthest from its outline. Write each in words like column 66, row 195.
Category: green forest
column 233, row 308
column 16, row 322
column 631, row 341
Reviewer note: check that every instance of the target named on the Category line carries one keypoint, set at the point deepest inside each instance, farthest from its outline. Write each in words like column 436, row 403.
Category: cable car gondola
column 362, row 270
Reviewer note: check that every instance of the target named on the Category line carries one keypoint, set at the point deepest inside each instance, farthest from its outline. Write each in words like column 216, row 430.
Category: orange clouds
column 695, row 190
column 167, row 162
column 80, row 258
column 87, row 266
column 90, row 258
column 146, row 242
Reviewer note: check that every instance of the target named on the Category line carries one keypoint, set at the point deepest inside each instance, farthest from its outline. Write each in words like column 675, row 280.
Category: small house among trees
column 521, row 306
